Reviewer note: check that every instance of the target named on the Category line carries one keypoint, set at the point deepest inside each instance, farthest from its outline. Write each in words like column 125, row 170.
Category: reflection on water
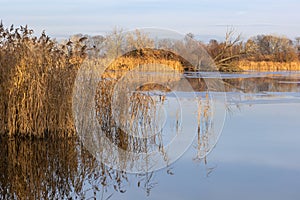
column 263, row 88
column 62, row 169
column 56, row 169
column 253, row 82
column 138, row 127
column 39, row 168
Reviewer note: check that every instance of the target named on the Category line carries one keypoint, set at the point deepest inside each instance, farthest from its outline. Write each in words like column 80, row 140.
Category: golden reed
column 268, row 66
column 36, row 80
column 37, row 76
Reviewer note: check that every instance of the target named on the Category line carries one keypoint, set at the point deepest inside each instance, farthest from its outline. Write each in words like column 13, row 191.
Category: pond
column 255, row 157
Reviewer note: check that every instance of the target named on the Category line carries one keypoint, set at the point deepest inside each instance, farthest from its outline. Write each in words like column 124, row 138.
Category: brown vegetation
column 37, row 76
column 225, row 53
column 56, row 169
column 268, row 66
column 36, row 80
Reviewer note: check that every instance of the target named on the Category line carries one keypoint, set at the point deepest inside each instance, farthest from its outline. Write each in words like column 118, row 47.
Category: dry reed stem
column 269, row 66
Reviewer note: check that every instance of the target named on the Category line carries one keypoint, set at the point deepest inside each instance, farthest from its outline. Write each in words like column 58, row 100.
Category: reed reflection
column 56, row 169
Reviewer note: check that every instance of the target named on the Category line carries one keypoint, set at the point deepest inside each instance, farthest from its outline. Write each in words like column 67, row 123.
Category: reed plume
column 36, row 80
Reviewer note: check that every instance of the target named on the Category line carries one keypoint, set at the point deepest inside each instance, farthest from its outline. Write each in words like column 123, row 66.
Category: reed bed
column 36, row 80
column 153, row 57
column 205, row 134
column 268, row 66
column 126, row 111
column 37, row 77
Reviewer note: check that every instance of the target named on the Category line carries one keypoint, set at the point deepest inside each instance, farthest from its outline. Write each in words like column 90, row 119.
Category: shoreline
column 268, row 66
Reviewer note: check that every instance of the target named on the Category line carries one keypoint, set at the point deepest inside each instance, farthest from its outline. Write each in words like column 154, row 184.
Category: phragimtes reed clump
column 36, row 80
column 37, row 77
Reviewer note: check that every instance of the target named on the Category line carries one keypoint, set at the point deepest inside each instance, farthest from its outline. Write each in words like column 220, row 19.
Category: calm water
column 256, row 157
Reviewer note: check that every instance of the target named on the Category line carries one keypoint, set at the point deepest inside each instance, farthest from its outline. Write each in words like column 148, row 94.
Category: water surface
column 256, row 157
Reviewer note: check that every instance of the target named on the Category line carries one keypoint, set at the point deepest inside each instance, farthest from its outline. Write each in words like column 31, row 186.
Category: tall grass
column 268, row 66
column 37, row 76
column 36, row 80
column 131, row 121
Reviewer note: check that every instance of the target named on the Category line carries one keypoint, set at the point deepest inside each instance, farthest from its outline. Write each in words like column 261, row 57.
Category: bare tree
column 113, row 43
column 298, row 44
column 138, row 40
column 224, row 53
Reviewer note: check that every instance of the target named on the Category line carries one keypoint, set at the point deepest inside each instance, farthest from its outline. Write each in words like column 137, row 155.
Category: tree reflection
column 263, row 84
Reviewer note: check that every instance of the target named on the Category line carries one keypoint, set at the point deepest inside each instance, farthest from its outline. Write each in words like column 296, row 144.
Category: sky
column 204, row 18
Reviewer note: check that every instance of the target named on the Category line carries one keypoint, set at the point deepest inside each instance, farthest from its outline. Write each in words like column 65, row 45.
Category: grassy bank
column 268, row 66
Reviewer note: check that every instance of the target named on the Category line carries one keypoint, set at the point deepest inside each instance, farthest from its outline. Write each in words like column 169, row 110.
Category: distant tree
column 138, row 40
column 224, row 53
column 165, row 44
column 298, row 46
column 271, row 48
column 252, row 49
column 191, row 50
column 297, row 41
column 114, row 42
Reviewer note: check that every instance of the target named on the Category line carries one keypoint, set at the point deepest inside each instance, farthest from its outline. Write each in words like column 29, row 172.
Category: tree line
column 225, row 53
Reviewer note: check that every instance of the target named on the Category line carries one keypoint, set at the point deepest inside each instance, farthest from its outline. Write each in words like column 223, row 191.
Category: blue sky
column 61, row 18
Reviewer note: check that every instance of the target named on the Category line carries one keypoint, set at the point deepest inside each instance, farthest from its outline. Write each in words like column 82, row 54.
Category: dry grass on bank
column 268, row 66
